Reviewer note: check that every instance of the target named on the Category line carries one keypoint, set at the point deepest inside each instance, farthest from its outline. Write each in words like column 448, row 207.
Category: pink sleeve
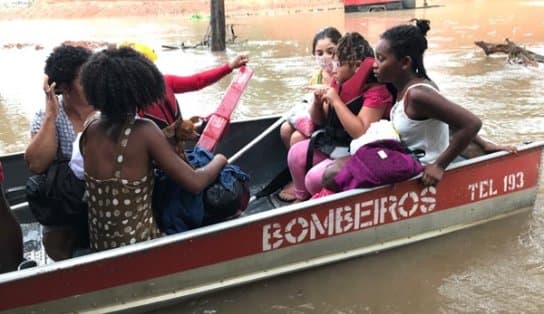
column 181, row 84
column 378, row 97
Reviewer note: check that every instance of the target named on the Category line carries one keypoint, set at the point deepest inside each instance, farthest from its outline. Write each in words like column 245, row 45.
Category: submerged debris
column 516, row 54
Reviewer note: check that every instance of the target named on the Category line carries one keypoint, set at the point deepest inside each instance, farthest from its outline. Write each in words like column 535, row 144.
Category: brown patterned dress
column 120, row 211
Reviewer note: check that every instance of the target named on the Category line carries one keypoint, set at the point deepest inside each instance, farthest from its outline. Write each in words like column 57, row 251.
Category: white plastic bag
column 379, row 130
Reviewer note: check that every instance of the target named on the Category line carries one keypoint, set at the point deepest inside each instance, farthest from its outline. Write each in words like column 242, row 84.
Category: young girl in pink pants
column 344, row 111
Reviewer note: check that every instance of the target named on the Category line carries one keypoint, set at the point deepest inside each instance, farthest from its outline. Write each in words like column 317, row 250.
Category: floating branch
column 516, row 54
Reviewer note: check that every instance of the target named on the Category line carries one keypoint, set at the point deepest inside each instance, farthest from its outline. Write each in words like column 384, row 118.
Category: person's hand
column 331, row 95
column 51, row 100
column 319, row 97
column 238, row 61
column 221, row 158
column 432, row 174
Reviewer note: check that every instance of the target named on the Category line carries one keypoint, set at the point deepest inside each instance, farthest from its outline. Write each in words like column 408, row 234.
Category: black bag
column 56, row 196
column 221, row 204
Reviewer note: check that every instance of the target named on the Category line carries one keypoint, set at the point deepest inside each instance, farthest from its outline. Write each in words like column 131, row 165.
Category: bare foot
column 287, row 194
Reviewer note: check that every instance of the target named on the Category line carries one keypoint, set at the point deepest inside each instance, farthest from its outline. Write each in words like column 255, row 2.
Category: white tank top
column 430, row 135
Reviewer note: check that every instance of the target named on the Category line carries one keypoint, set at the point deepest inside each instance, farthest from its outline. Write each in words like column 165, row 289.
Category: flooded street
column 497, row 267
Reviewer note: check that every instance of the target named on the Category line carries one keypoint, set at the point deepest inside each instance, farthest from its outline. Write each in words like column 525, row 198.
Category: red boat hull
column 299, row 236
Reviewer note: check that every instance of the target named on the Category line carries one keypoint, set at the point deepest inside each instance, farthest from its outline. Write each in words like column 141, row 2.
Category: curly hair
column 329, row 32
column 121, row 81
column 409, row 40
column 64, row 62
column 353, row 47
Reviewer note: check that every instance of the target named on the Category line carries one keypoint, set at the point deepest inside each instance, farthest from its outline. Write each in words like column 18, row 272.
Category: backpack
column 378, row 163
column 221, row 204
column 56, row 196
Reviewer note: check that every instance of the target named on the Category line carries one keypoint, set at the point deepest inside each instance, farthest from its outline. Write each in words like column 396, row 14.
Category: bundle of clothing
column 179, row 210
column 378, row 158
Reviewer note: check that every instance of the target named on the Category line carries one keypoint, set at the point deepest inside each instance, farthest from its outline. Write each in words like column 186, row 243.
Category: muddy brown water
column 497, row 267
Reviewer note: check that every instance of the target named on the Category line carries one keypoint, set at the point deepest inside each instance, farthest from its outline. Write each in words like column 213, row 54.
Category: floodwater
column 497, row 267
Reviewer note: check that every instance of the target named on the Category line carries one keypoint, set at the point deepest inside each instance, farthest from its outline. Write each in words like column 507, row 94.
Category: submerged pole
column 217, row 25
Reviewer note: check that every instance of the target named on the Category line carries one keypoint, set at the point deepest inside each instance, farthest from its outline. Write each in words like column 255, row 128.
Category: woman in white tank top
column 422, row 116
column 428, row 138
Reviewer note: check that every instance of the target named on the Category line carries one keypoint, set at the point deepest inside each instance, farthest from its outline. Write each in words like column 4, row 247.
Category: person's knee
column 328, row 177
column 312, row 182
column 286, row 130
column 314, row 178
column 59, row 244
column 330, row 173
column 296, row 137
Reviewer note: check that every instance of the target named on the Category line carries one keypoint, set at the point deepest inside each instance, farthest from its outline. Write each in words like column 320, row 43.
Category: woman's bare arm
column 356, row 125
column 193, row 180
column 43, row 146
column 318, row 108
column 423, row 102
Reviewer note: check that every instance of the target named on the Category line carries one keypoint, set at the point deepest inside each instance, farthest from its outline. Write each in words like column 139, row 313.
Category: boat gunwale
column 222, row 226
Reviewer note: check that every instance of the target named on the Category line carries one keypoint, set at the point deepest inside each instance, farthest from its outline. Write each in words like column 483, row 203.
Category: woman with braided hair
column 344, row 111
column 421, row 115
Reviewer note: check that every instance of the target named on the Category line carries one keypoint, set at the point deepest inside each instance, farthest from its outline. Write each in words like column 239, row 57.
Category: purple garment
column 377, row 163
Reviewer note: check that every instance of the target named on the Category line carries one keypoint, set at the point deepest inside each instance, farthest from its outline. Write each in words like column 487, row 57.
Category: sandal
column 287, row 193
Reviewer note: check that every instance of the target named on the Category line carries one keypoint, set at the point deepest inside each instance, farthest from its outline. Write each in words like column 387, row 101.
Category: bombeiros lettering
column 309, row 226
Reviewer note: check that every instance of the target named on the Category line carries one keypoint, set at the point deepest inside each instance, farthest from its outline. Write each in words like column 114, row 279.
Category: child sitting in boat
column 118, row 149
column 323, row 48
column 299, row 125
column 344, row 111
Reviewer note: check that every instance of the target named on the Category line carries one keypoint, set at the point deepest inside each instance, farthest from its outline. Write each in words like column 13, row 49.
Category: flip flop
column 287, row 194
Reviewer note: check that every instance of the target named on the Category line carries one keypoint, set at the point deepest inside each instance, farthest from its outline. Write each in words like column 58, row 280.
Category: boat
column 272, row 237
column 377, row 5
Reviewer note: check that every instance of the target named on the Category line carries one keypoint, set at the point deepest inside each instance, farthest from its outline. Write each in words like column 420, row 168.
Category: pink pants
column 306, row 184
